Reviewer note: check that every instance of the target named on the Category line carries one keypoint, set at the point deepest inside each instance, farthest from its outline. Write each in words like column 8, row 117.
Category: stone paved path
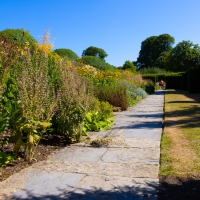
column 125, row 169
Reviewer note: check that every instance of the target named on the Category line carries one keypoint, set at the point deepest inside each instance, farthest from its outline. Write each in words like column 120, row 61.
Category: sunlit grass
column 166, row 160
column 180, row 145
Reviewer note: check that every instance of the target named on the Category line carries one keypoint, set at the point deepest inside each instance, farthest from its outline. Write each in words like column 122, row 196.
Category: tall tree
column 95, row 51
column 184, row 56
column 152, row 48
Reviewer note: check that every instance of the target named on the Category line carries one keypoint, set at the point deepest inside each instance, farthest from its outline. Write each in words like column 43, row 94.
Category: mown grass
column 165, row 160
column 180, row 145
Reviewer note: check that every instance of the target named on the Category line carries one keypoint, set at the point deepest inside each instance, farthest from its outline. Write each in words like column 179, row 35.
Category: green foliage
column 157, row 51
column 153, row 70
column 128, row 65
column 164, row 60
column 39, row 90
column 148, row 86
column 94, row 121
column 152, row 48
column 96, row 62
column 28, row 136
column 136, row 93
column 173, row 80
column 4, row 122
column 5, row 159
column 73, row 103
column 104, row 108
column 166, row 160
column 37, row 102
column 35, row 94
column 3, row 116
column 16, row 36
column 67, row 53
column 184, row 56
column 9, row 106
column 95, row 51
column 100, row 116
column 12, row 42
column 114, row 93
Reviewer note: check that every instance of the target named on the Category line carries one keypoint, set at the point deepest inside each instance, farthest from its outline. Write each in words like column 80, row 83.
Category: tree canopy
column 95, row 51
column 184, row 56
column 152, row 48
column 96, row 62
column 128, row 65
column 66, row 53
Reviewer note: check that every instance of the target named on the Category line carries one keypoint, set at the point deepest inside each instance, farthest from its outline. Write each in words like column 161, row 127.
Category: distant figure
column 161, row 84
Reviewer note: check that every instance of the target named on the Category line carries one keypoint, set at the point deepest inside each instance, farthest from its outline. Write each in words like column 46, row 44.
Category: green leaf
column 88, row 117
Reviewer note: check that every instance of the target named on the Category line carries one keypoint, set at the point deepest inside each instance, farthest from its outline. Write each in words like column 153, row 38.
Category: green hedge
column 193, row 80
column 172, row 80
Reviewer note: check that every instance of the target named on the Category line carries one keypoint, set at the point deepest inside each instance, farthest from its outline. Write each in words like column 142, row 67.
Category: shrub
column 104, row 108
column 94, row 121
column 5, row 159
column 67, row 53
column 128, row 65
column 96, row 62
column 99, row 117
column 141, row 93
column 16, row 36
column 113, row 93
column 73, row 103
column 148, row 86
column 135, row 94
column 7, row 98
column 12, row 45
column 37, row 102
column 9, row 102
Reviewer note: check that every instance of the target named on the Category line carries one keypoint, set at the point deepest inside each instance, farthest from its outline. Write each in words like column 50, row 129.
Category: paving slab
column 118, row 187
column 79, row 154
column 132, row 155
column 48, row 183
column 127, row 168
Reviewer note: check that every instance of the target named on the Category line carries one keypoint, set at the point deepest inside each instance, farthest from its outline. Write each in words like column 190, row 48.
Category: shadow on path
column 118, row 193
column 141, row 125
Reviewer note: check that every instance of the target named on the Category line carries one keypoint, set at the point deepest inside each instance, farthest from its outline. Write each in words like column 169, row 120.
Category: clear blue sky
column 117, row 26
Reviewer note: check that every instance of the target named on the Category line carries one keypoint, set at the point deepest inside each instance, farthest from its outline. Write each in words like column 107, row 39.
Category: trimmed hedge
column 17, row 36
column 172, row 80
column 67, row 53
column 193, row 80
column 179, row 81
